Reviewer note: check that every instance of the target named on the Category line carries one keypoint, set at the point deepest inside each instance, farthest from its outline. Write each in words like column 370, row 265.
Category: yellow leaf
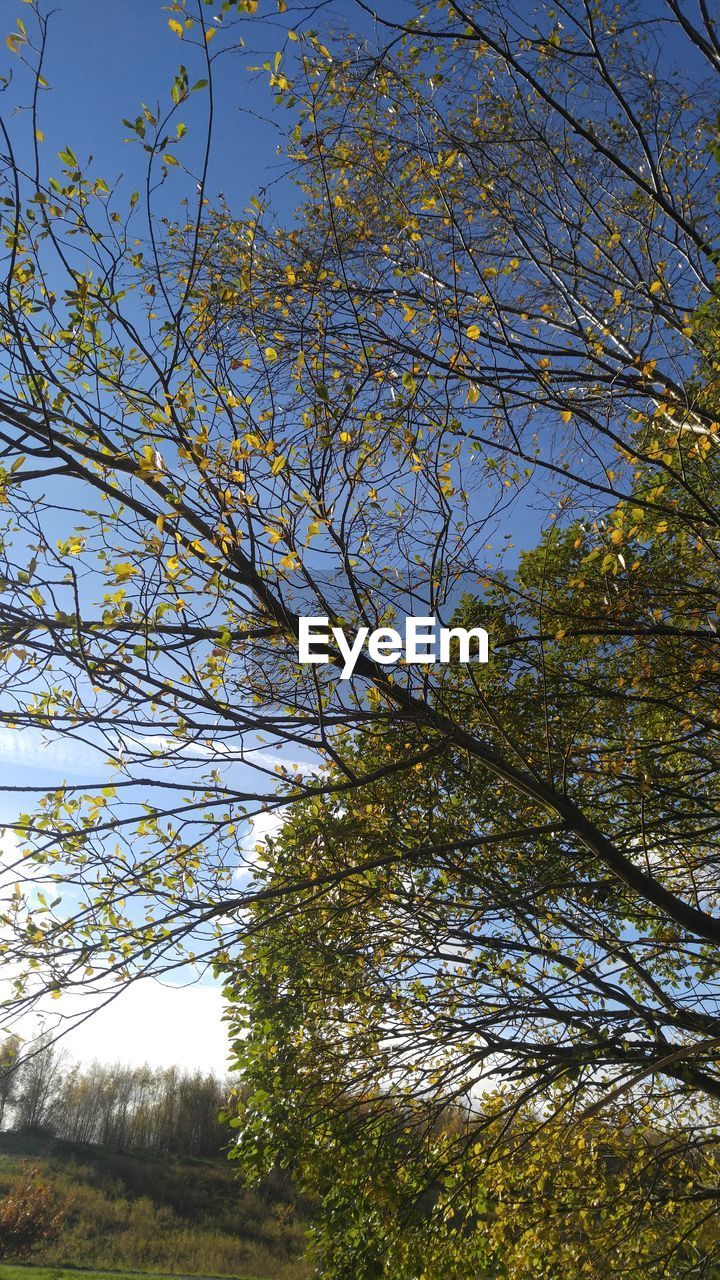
column 473, row 332
column 211, row 31
column 149, row 459
column 617, row 297
column 176, row 27
column 566, row 415
column 271, row 353
column 656, row 286
column 124, row 571
column 277, row 466
column 616, row 537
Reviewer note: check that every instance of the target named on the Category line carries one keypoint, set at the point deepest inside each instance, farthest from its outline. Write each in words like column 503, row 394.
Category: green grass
column 129, row 1214
column 22, row 1272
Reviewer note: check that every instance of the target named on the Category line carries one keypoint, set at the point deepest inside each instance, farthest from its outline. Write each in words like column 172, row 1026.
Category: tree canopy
column 487, row 927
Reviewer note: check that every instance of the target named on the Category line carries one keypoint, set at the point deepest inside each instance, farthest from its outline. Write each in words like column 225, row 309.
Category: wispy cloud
column 37, row 749
column 219, row 752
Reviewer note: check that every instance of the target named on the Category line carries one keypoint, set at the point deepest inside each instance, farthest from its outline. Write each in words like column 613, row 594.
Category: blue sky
column 103, row 60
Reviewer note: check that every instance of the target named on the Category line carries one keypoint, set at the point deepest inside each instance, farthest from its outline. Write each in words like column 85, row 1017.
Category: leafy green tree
column 218, row 422
column 435, row 940
column 497, row 299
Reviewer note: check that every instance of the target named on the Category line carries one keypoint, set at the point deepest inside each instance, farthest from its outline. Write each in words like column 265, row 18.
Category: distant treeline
column 120, row 1107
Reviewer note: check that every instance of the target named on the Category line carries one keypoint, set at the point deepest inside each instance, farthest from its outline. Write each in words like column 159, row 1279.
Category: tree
column 451, row 945
column 500, row 290
column 193, row 655
column 37, row 1084
column 133, row 1108
column 9, row 1054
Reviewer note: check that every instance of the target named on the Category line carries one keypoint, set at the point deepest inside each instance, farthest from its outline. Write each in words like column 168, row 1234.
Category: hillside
column 168, row 1214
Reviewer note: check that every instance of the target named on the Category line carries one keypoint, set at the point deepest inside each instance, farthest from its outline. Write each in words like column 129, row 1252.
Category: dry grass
column 157, row 1214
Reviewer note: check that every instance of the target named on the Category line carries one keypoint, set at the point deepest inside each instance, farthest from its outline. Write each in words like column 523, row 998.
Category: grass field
column 22, row 1272
column 128, row 1214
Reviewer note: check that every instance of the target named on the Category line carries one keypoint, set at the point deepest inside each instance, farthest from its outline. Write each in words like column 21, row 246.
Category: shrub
column 30, row 1215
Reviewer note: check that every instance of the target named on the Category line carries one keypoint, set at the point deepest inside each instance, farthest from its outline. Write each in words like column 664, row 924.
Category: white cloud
column 35, row 749
column 251, row 757
column 44, row 751
column 162, row 1024
column 159, row 1023
column 264, row 825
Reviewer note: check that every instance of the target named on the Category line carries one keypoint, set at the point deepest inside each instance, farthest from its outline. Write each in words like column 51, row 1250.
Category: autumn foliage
column 474, row 375
column 30, row 1215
